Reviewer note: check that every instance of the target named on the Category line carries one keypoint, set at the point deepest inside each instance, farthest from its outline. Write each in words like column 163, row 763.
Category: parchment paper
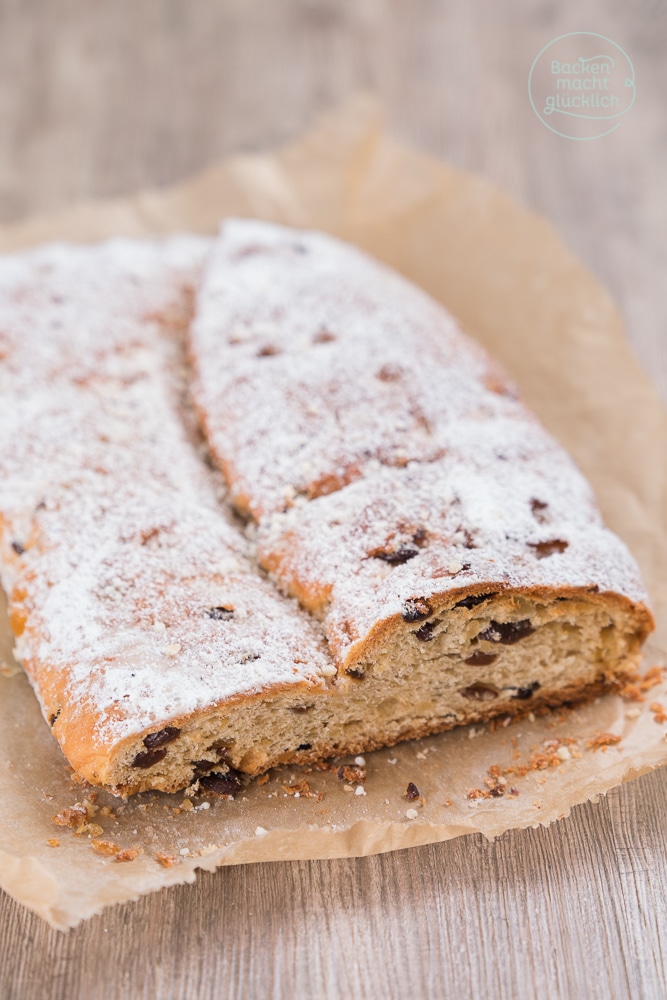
column 513, row 285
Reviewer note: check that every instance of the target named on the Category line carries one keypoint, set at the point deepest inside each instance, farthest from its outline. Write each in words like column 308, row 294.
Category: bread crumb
column 105, row 846
column 166, row 860
column 564, row 753
column 186, row 805
column 53, row 842
column 129, row 854
column 603, row 740
column 411, row 814
column 633, row 713
column 360, row 790
column 184, row 851
column 360, row 761
column 260, row 831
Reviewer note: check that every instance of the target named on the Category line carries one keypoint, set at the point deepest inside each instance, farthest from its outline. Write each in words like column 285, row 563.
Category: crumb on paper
column 53, row 842
column 352, row 774
column 129, row 854
column 9, row 669
column 166, row 860
column 639, row 684
column 411, row 814
column 633, row 713
column 302, row 789
column 360, row 761
column 105, row 846
column 360, row 790
column 260, row 831
column 75, row 816
column 186, row 806
column 601, row 741
column 262, row 780
column 659, row 712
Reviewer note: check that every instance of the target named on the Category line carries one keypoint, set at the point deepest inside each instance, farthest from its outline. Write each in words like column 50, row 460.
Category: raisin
column 53, row 718
column 538, row 507
column 545, row 549
column 18, row 548
column 220, row 614
column 222, row 748
column 323, row 336
column 481, row 659
column 415, row 610
column 522, row 694
column 472, row 600
column 149, row 757
column 425, row 633
column 507, row 633
column 161, row 738
column 228, row 783
column 304, row 746
column 400, row 555
column 389, row 373
column 412, row 792
column 203, row 767
column 479, row 692
column 497, row 791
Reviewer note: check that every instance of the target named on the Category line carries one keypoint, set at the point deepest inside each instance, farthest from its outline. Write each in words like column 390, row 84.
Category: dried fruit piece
column 545, row 549
column 425, row 633
column 523, row 693
column 161, row 738
column 507, row 633
column 472, row 600
column 415, row 610
column 395, row 556
column 481, row 659
column 220, row 614
column 412, row 792
column 228, row 783
column 148, row 758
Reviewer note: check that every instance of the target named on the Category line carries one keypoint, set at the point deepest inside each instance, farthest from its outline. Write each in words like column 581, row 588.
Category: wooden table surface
column 99, row 98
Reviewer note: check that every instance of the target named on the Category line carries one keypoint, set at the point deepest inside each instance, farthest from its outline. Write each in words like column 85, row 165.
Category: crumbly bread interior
column 481, row 657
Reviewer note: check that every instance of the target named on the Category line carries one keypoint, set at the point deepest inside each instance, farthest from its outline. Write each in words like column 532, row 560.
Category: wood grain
column 99, row 98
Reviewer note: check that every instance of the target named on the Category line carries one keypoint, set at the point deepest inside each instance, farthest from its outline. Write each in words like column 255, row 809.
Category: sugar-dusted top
column 141, row 601
column 382, row 452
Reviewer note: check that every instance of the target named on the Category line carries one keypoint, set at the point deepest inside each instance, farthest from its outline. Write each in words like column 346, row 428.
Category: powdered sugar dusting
column 140, row 601
column 384, row 455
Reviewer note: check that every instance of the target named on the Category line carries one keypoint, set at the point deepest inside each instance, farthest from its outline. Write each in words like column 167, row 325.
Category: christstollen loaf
column 373, row 540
